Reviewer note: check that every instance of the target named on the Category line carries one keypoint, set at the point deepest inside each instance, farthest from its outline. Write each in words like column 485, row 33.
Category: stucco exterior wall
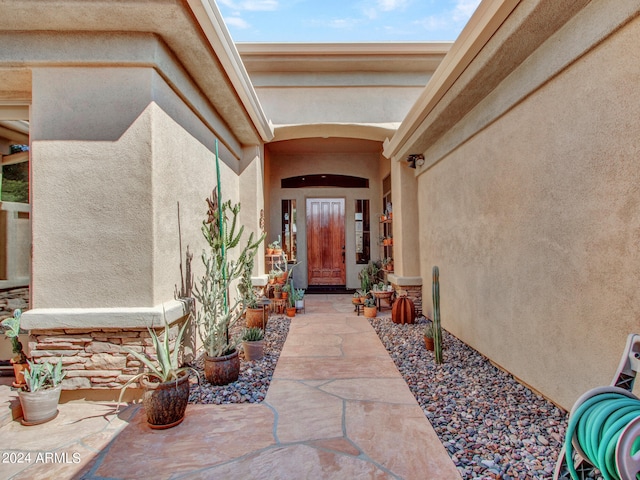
column 364, row 165
column 341, row 104
column 113, row 180
column 534, row 218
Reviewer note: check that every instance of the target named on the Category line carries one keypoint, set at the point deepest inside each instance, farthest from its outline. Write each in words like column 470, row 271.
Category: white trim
column 210, row 20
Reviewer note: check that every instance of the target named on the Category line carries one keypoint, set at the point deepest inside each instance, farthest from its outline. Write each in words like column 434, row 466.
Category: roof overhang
column 193, row 31
column 498, row 38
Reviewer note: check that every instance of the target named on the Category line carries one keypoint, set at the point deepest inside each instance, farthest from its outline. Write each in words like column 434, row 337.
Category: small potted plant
column 253, row 312
column 370, row 309
column 299, row 298
column 291, row 306
column 286, row 290
column 165, row 383
column 253, row 343
column 274, row 247
column 19, row 360
column 277, row 291
column 428, row 336
column 40, row 396
column 356, row 298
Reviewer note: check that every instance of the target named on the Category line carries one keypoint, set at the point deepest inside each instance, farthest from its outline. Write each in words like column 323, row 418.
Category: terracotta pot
column 291, row 311
column 222, row 370
column 428, row 342
column 256, row 318
column 165, row 403
column 18, row 373
column 269, row 251
column 285, row 295
column 253, row 350
column 277, row 251
column 356, row 301
column 370, row 312
column 41, row 406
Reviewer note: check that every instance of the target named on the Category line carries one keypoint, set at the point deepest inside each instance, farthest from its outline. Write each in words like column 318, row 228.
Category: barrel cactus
column 403, row 311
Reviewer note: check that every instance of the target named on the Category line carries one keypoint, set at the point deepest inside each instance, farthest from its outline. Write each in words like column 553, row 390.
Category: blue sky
column 345, row 21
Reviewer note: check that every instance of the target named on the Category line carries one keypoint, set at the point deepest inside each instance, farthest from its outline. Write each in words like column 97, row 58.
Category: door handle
column 343, row 256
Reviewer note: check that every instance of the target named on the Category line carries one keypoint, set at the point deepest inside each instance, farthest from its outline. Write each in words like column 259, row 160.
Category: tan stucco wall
column 534, row 218
column 341, row 104
column 109, row 164
column 365, row 165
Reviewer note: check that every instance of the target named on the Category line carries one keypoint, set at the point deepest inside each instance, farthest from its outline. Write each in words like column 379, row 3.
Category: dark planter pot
column 41, row 406
column 165, row 403
column 222, row 370
column 256, row 318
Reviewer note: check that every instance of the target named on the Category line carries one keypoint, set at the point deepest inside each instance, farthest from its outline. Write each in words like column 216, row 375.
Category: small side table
column 388, row 296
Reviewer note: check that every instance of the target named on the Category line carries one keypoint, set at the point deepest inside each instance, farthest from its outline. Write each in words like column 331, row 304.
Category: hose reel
column 604, row 427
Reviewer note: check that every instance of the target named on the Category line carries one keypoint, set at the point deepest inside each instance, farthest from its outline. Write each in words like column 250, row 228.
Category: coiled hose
column 598, row 423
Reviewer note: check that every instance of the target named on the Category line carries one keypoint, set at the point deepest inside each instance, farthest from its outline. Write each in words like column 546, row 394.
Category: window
column 363, row 229
column 289, row 230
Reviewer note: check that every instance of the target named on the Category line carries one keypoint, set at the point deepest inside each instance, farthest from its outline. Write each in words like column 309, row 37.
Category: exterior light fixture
column 415, row 159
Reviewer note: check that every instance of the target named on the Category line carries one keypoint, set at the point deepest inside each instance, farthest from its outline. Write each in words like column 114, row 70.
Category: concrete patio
column 336, row 408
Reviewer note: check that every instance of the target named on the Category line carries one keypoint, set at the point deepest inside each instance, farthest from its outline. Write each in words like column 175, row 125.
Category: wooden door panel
column 325, row 241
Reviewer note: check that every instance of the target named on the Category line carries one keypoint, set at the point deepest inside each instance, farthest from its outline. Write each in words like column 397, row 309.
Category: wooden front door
column 325, row 241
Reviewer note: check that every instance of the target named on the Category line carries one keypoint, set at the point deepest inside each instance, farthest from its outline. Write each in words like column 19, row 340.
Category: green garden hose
column 597, row 424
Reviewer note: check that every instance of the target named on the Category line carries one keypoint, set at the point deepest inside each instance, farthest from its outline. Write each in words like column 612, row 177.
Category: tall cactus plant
column 437, row 329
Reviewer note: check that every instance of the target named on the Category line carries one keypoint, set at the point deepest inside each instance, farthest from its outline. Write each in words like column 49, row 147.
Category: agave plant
column 252, row 334
column 166, row 367
column 40, row 376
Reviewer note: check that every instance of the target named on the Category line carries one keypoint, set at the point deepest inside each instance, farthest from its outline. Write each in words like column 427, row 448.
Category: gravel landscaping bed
column 491, row 425
column 255, row 376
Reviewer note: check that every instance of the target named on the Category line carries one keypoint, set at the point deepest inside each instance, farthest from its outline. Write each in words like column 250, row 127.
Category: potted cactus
column 19, row 360
column 370, row 309
column 40, row 396
column 218, row 313
column 299, row 298
column 254, row 314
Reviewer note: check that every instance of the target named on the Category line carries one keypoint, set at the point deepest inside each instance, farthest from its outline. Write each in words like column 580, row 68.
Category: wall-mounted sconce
column 415, row 159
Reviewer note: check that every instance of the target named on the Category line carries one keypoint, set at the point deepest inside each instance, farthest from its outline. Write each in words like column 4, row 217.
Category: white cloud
column 379, row 6
column 464, row 9
column 251, row 5
column 236, row 22
column 454, row 18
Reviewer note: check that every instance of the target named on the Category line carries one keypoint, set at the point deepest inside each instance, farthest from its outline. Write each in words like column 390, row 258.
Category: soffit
column 225, row 86
column 343, row 57
column 324, row 145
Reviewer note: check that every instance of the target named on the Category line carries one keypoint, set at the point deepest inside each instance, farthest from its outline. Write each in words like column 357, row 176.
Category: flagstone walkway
column 337, row 408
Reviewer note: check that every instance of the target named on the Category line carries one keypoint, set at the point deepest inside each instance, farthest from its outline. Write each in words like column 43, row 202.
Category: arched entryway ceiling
column 377, row 132
column 319, row 145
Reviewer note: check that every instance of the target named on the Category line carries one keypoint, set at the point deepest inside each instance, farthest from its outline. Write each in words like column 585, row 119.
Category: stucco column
column 406, row 241
column 251, row 191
